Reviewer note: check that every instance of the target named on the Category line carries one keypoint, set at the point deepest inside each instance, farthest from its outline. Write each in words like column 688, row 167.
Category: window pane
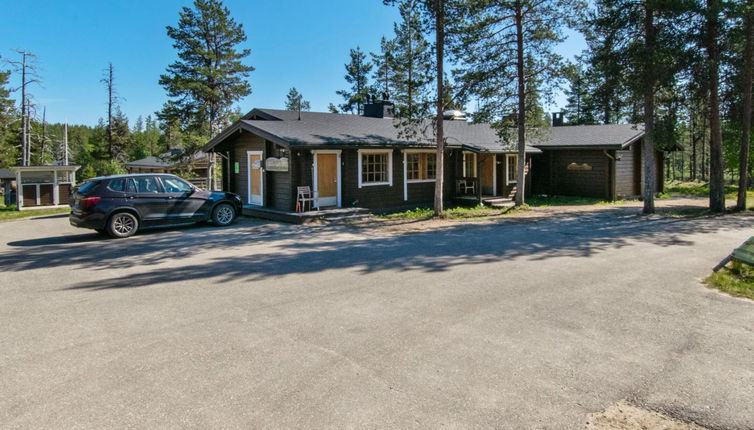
column 117, row 185
column 147, row 185
column 431, row 166
column 173, row 185
column 512, row 167
column 412, row 166
column 374, row 168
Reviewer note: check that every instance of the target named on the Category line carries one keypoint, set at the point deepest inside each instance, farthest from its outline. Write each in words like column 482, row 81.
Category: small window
column 511, row 168
column 420, row 166
column 175, row 185
column 117, row 185
column 146, row 185
column 86, row 187
column 374, row 168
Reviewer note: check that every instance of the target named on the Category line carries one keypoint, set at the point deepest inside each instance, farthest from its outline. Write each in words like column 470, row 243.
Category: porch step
column 346, row 218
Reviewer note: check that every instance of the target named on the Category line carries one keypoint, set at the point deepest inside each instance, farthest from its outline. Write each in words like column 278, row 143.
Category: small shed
column 43, row 186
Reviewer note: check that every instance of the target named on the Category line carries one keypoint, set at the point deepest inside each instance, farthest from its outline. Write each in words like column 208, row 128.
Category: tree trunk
column 716, row 189
column 743, row 165
column 439, row 135
column 110, row 103
column 521, row 123
column 24, row 114
column 648, row 147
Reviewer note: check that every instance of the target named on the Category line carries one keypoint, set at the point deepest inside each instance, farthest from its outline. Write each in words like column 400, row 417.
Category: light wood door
column 255, row 179
column 327, row 179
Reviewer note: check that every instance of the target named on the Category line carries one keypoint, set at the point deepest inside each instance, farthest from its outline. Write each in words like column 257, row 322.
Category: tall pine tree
column 210, row 74
column 295, row 101
column 357, row 74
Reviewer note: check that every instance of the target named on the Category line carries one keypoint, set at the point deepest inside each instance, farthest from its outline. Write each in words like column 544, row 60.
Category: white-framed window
column 469, row 164
column 421, row 166
column 375, row 167
column 511, row 168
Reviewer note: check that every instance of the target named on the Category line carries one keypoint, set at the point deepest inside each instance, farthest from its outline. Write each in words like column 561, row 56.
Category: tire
column 223, row 215
column 122, row 225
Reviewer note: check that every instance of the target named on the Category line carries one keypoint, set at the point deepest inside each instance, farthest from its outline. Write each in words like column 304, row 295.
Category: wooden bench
column 742, row 254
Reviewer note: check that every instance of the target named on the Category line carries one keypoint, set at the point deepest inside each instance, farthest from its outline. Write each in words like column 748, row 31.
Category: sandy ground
column 624, row 416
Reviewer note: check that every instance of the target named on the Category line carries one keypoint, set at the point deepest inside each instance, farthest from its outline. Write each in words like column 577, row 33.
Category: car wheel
column 122, row 224
column 223, row 215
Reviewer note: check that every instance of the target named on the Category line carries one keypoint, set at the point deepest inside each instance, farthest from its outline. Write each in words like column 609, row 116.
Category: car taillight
column 88, row 202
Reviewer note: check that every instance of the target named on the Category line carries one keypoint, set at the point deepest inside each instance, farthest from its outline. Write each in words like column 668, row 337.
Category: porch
column 329, row 214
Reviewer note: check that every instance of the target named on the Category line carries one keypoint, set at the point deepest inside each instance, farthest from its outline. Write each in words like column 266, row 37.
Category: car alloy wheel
column 123, row 225
column 224, row 214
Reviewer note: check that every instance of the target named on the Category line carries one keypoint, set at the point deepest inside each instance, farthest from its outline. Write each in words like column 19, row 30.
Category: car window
column 175, row 185
column 117, row 185
column 144, row 185
column 86, row 187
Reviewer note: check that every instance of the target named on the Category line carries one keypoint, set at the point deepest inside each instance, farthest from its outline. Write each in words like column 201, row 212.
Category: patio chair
column 304, row 195
column 465, row 185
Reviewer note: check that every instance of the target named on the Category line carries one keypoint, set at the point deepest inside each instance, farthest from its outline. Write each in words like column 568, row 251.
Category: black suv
column 120, row 205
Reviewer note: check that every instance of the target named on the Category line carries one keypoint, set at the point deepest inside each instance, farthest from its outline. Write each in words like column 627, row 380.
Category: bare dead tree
column 112, row 104
column 27, row 68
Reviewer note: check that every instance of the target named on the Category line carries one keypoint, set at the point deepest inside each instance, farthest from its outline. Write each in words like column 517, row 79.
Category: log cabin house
column 368, row 161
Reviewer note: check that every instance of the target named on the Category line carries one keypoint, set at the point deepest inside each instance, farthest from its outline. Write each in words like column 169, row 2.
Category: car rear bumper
column 93, row 220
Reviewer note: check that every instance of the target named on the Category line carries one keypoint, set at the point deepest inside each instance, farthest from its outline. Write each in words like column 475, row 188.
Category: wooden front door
column 255, row 178
column 327, row 180
column 488, row 174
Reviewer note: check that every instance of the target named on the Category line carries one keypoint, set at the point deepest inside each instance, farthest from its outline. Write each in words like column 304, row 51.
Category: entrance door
column 327, row 180
column 488, row 174
column 255, row 178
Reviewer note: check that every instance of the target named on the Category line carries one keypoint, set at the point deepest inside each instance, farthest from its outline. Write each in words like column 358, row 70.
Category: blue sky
column 301, row 43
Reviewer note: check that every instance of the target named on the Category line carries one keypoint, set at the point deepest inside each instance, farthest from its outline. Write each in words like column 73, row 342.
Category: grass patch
column 738, row 280
column 457, row 212
column 701, row 189
column 8, row 213
column 547, row 200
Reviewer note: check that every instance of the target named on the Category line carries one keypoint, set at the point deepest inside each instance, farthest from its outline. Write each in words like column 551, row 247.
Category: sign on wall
column 236, row 167
column 273, row 164
column 577, row 166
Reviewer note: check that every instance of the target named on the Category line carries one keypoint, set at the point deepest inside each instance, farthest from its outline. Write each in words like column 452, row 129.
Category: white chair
column 304, row 195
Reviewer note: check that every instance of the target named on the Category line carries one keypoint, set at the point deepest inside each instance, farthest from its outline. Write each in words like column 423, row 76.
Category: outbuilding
column 43, row 186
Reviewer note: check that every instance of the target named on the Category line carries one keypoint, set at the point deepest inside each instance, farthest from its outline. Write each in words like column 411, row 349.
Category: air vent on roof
column 454, row 115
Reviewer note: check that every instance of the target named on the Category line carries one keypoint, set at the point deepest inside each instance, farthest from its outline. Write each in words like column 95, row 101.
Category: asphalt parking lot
column 531, row 324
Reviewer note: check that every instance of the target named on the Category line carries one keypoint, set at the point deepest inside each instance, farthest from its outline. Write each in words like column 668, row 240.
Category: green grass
column 457, row 212
column 701, row 189
column 737, row 281
column 546, row 200
column 8, row 213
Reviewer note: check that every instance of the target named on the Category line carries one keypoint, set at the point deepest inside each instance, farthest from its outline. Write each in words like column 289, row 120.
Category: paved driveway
column 510, row 324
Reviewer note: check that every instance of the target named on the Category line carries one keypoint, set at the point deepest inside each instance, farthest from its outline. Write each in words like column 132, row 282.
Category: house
column 367, row 161
column 171, row 162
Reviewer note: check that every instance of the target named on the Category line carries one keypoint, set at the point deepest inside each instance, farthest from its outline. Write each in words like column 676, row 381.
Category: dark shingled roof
column 7, row 174
column 319, row 129
column 162, row 161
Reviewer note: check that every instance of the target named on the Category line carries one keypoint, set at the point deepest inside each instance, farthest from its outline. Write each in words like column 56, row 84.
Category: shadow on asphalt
column 309, row 249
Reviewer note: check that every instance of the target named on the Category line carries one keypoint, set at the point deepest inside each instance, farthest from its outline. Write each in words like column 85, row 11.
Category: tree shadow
column 271, row 250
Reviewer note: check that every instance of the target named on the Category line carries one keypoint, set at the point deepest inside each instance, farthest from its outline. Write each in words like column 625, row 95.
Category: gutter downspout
column 612, row 172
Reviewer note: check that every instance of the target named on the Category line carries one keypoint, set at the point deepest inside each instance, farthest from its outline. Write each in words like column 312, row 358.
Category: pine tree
column 507, row 48
column 713, row 28
column 295, row 101
column 357, row 74
column 746, row 72
column 8, row 151
column 210, row 74
column 332, row 108
column 580, row 109
column 384, row 67
column 414, row 65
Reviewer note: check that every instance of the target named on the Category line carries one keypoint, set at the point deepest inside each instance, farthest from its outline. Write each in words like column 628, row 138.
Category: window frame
column 508, row 181
column 426, row 153
column 389, row 166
